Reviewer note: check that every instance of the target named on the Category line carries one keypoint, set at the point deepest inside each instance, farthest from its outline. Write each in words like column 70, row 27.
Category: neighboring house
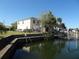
column 73, row 34
column 29, row 23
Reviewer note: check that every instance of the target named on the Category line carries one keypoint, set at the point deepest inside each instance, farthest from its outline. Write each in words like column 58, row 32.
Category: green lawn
column 8, row 33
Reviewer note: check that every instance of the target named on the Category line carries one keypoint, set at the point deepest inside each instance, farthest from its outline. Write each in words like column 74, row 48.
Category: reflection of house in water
column 73, row 45
column 26, row 49
column 73, row 34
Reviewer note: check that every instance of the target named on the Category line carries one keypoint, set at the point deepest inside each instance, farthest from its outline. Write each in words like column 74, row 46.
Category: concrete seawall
column 7, row 40
column 14, row 46
column 9, row 45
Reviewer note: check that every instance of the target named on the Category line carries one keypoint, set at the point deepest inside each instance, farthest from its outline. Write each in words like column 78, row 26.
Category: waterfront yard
column 8, row 33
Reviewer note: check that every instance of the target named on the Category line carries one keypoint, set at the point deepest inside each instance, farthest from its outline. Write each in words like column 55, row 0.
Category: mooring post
column 25, row 34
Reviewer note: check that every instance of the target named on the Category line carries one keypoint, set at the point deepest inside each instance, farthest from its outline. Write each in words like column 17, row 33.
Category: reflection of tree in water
column 48, row 49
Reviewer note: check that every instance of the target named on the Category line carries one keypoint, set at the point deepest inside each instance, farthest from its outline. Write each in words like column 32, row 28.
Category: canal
column 58, row 49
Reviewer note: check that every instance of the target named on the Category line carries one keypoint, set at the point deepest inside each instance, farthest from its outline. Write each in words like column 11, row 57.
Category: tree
column 59, row 20
column 2, row 28
column 48, row 21
column 60, row 24
column 63, row 26
column 13, row 26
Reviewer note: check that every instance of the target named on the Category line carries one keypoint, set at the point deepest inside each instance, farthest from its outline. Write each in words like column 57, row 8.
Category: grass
column 8, row 33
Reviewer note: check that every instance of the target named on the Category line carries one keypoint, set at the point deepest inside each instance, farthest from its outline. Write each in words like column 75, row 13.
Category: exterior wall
column 30, row 23
column 24, row 24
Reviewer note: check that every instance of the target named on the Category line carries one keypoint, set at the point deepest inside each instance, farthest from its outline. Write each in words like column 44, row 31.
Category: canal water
column 58, row 49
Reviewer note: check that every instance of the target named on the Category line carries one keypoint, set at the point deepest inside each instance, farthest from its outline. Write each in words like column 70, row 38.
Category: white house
column 29, row 23
column 73, row 34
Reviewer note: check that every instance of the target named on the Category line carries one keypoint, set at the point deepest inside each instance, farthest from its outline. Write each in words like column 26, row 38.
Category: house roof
column 31, row 18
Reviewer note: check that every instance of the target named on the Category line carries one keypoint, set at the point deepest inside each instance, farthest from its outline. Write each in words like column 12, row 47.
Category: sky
column 13, row 10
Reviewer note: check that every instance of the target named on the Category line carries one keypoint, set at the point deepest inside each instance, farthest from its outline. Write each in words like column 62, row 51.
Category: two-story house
column 29, row 23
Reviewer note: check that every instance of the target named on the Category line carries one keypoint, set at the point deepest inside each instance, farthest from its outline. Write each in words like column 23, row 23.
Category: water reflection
column 72, row 45
column 58, row 49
